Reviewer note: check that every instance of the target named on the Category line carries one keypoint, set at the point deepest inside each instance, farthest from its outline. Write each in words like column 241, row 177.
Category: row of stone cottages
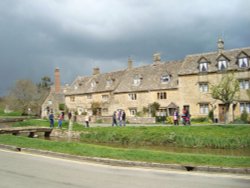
column 173, row 84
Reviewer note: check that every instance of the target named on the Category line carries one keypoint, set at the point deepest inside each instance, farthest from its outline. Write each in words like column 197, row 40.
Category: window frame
column 162, row 95
column 204, row 108
column 245, row 105
column 247, row 62
column 132, row 96
column 202, row 86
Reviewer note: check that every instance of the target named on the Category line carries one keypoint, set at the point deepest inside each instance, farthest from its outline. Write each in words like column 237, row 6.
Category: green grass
column 205, row 136
column 230, row 136
column 126, row 154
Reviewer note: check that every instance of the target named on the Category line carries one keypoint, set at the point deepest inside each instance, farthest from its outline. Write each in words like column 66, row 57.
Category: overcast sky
column 36, row 36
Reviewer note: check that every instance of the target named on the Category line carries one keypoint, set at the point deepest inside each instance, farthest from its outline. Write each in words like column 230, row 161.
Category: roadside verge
column 116, row 162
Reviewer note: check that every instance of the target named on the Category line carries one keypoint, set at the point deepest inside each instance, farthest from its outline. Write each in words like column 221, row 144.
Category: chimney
column 130, row 63
column 156, row 58
column 96, row 71
column 57, row 80
column 220, row 45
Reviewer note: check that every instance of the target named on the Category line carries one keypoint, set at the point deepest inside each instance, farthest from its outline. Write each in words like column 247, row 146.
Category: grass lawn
column 91, row 150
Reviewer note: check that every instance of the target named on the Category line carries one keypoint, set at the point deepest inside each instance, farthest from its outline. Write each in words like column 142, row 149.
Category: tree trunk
column 227, row 106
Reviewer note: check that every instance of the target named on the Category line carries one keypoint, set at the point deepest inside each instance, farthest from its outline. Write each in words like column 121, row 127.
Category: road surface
column 22, row 170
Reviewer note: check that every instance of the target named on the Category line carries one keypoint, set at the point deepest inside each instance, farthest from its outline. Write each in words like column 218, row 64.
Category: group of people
column 119, row 118
column 185, row 117
column 60, row 119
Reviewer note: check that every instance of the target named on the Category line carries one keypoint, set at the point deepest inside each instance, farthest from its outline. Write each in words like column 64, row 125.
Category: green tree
column 96, row 107
column 45, row 83
column 153, row 108
column 226, row 91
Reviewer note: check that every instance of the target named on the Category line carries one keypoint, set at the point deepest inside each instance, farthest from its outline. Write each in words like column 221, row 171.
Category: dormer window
column 93, row 84
column 109, row 82
column 203, row 67
column 165, row 78
column 222, row 65
column 137, row 80
column 243, row 62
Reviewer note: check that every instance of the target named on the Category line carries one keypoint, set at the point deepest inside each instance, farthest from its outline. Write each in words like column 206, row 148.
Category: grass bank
column 205, row 136
column 213, row 136
column 126, row 154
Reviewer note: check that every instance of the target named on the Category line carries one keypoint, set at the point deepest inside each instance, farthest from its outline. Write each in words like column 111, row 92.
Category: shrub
column 244, row 116
column 169, row 120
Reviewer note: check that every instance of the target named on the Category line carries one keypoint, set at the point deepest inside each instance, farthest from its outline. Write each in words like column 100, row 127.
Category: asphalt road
column 22, row 170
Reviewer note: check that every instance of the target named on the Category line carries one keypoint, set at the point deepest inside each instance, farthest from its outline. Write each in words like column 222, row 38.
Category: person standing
column 176, row 117
column 114, row 121
column 87, row 118
column 123, row 118
column 60, row 120
column 51, row 119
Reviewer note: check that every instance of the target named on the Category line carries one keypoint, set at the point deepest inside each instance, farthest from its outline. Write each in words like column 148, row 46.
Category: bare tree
column 227, row 91
column 23, row 96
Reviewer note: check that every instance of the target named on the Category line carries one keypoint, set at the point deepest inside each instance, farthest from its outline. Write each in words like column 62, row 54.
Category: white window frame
column 132, row 96
column 133, row 111
column 222, row 63
column 243, row 60
column 203, row 65
column 203, row 87
column 204, row 109
column 105, row 97
column 245, row 105
column 93, row 84
column 165, row 78
column 244, row 84
column 109, row 82
column 137, row 80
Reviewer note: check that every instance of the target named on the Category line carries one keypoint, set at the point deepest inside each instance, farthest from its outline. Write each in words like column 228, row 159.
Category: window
column 203, row 67
column 244, row 106
column 49, row 102
column 105, row 97
column 203, row 87
column 161, row 95
column 132, row 96
column 132, row 111
column 89, row 96
column 204, row 108
column 109, row 82
column 165, row 78
column 105, row 110
column 222, row 65
column 93, row 84
column 137, row 80
column 244, row 84
column 72, row 99
column 243, row 62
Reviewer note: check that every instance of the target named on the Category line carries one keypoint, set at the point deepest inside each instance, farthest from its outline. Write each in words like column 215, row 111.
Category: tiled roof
column 150, row 76
column 191, row 62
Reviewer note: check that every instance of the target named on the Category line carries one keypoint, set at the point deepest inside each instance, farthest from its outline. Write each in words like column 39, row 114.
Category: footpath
column 116, row 162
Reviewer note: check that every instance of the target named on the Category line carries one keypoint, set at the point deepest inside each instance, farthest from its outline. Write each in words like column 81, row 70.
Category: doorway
column 222, row 112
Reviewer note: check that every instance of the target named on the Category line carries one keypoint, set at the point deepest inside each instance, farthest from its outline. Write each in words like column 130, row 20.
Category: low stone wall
column 65, row 134
column 108, row 119
column 141, row 120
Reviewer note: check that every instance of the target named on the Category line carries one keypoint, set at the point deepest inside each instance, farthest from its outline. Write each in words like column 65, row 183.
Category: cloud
column 77, row 35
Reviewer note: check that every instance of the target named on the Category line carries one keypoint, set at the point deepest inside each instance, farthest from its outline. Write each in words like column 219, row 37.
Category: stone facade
column 172, row 84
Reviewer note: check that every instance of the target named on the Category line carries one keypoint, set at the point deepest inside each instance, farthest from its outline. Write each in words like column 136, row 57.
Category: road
column 23, row 170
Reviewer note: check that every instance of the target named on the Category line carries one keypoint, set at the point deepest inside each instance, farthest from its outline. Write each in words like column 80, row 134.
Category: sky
column 36, row 36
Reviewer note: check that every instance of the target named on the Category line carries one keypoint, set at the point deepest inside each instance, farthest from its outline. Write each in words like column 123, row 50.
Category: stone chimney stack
column 157, row 58
column 220, row 45
column 130, row 63
column 96, row 71
column 57, row 80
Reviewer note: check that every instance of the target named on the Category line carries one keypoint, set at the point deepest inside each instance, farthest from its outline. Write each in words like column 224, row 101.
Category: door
column 221, row 113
